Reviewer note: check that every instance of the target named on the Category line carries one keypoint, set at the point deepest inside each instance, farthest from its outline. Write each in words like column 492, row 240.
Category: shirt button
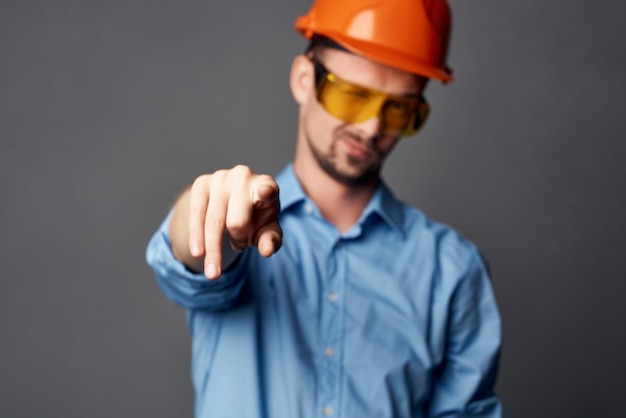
column 308, row 208
column 333, row 297
column 328, row 410
column 330, row 352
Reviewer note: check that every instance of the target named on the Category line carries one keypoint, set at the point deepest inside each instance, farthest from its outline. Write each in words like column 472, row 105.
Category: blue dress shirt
column 395, row 318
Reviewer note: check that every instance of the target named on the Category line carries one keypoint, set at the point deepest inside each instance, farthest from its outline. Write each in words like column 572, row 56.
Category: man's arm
column 463, row 385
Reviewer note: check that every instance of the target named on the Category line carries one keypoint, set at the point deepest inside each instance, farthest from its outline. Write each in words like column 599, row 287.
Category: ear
column 301, row 79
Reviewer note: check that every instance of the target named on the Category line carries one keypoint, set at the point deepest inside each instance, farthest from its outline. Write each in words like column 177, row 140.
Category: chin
column 354, row 178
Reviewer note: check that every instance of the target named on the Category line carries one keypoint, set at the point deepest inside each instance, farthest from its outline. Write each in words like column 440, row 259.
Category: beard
column 359, row 172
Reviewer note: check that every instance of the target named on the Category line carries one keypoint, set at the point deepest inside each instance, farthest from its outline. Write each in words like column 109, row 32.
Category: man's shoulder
column 445, row 241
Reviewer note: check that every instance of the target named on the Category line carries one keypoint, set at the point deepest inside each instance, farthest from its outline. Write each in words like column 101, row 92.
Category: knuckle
column 236, row 227
column 214, row 222
column 218, row 177
column 201, row 182
column 195, row 211
column 241, row 174
column 266, row 179
column 241, row 170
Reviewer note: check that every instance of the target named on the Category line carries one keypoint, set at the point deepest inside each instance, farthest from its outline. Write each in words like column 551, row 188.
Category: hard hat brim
column 387, row 56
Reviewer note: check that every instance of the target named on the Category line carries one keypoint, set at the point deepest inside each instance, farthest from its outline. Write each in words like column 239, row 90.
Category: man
column 369, row 309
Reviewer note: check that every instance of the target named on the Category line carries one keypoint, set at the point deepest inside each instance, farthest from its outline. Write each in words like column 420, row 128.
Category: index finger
column 214, row 226
column 198, row 203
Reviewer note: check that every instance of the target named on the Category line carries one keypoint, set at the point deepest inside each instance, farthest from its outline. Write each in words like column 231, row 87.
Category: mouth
column 355, row 148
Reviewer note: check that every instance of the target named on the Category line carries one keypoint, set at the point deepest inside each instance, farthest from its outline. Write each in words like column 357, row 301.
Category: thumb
column 266, row 193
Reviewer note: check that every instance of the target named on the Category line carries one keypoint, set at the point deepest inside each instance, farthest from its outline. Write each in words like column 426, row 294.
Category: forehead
column 368, row 73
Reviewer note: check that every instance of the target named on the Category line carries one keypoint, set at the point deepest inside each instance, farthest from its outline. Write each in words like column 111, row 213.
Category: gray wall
column 108, row 108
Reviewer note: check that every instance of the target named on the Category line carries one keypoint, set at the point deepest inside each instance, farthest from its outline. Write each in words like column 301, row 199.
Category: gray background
column 108, row 108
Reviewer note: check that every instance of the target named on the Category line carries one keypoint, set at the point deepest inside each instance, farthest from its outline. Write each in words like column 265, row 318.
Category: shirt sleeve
column 463, row 385
column 186, row 288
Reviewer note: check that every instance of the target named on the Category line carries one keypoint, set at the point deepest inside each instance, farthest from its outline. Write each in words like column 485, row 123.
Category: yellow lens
column 349, row 102
column 418, row 119
column 397, row 114
column 352, row 103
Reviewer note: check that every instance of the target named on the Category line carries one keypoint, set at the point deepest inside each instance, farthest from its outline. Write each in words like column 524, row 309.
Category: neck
column 341, row 204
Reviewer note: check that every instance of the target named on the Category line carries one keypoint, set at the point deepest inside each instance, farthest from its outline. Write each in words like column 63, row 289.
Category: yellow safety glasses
column 352, row 103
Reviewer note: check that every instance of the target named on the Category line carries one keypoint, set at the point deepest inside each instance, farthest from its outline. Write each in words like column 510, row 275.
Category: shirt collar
column 383, row 203
column 290, row 189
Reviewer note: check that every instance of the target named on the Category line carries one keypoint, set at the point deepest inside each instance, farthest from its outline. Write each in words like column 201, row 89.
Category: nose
column 370, row 128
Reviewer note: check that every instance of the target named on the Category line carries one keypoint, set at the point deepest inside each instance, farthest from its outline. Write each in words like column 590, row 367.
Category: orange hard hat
column 411, row 35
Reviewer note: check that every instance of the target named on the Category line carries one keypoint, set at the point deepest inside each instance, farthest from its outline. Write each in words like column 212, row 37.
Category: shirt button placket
column 332, row 313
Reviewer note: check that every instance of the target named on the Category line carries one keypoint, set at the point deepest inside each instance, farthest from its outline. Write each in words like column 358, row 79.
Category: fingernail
column 195, row 250
column 211, row 271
